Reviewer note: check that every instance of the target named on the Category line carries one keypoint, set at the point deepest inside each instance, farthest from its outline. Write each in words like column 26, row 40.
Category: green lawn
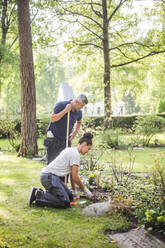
column 21, row 226
column 143, row 158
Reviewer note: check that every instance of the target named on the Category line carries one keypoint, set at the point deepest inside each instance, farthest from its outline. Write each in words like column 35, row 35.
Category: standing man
column 57, row 129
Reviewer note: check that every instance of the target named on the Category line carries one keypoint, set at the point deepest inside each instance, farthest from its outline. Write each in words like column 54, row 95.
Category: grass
column 24, row 227
column 143, row 158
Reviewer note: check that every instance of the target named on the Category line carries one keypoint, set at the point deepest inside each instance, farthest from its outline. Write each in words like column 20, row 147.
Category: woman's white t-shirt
column 62, row 165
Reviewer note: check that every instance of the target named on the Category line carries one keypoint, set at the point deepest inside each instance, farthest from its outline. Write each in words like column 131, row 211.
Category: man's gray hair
column 82, row 99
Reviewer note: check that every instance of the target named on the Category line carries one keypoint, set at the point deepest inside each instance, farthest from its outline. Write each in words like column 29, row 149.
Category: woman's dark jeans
column 57, row 193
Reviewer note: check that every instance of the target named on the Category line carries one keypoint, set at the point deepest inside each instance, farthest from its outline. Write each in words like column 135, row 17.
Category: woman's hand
column 88, row 193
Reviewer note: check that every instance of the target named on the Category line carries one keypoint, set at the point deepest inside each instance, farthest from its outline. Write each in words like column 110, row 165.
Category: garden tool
column 98, row 178
column 67, row 137
column 76, row 203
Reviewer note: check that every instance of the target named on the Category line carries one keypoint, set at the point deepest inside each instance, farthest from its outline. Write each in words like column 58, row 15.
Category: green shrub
column 125, row 122
column 10, row 130
column 42, row 125
column 122, row 172
column 158, row 174
column 155, row 220
column 110, row 138
column 91, row 161
column 148, row 126
column 161, row 107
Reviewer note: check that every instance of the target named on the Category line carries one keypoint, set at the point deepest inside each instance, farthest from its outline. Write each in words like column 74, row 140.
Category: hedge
column 124, row 122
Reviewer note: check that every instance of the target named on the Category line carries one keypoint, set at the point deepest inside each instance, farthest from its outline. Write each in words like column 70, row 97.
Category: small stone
column 97, row 209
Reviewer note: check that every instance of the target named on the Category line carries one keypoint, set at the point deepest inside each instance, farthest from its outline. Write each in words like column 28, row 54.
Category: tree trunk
column 107, row 88
column 28, row 93
column 4, row 23
column 4, row 29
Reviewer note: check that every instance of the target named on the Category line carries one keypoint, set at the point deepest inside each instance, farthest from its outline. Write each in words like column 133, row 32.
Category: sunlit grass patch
column 21, row 226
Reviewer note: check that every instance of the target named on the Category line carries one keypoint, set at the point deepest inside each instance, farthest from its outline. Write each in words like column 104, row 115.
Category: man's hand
column 68, row 108
column 58, row 116
column 88, row 193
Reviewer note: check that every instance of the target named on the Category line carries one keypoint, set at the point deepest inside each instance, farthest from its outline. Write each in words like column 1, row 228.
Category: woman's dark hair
column 87, row 137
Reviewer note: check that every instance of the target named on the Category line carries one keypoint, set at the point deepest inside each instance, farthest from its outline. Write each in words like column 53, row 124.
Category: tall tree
column 7, row 18
column 28, row 93
column 105, row 26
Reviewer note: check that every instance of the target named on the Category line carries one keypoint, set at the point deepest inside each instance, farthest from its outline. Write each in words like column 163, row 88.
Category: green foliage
column 91, row 161
column 10, row 128
column 94, row 123
column 49, row 74
column 36, row 227
column 125, row 122
column 122, row 172
column 122, row 204
column 158, row 174
column 148, row 126
column 110, row 138
column 155, row 220
column 42, row 125
column 161, row 107
column 91, row 180
column 138, row 198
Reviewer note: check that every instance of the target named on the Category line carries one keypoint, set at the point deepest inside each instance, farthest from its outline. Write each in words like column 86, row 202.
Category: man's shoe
column 32, row 196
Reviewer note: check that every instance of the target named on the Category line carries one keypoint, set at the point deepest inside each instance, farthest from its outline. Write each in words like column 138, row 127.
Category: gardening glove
column 75, row 195
column 88, row 194
column 74, row 192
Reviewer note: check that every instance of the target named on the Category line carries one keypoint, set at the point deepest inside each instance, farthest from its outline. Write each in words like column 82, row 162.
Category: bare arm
column 58, row 116
column 75, row 179
column 78, row 125
column 72, row 182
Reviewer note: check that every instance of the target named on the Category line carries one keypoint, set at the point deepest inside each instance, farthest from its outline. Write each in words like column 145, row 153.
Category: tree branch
column 80, row 14
column 130, row 43
column 138, row 59
column 116, row 9
column 123, row 53
column 98, row 36
column 10, row 15
column 13, row 42
column 95, row 11
column 89, row 44
column 4, row 22
column 98, row 4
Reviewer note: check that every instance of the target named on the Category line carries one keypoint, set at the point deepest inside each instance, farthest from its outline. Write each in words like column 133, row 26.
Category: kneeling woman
column 57, row 193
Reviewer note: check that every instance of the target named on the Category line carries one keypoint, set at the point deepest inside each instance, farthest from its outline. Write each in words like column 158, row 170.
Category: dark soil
column 159, row 236
column 101, row 194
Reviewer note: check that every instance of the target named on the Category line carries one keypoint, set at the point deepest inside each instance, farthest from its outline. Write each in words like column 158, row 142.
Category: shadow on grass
column 24, row 227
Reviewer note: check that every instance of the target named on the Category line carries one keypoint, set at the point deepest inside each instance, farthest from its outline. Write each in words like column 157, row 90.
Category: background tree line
column 97, row 43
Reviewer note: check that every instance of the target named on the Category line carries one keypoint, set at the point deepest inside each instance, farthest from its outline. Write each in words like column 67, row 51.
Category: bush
column 161, row 107
column 124, row 122
column 148, row 126
column 42, row 125
column 110, row 138
column 122, row 172
column 10, row 129
column 91, row 161
column 158, row 174
column 155, row 220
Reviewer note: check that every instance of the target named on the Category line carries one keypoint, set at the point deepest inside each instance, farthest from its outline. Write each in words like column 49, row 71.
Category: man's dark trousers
column 53, row 148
